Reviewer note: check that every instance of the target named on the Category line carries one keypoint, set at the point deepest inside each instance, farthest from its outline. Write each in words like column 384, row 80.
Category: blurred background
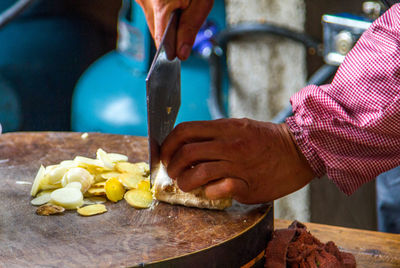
column 81, row 65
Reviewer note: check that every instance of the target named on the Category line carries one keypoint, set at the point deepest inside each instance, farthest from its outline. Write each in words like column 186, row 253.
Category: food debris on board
column 23, row 182
column 84, row 184
column 49, row 209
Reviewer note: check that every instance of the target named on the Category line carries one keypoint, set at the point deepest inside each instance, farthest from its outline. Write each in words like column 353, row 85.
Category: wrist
column 303, row 165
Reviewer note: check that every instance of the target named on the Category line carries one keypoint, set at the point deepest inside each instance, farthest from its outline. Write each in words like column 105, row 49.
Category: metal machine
column 341, row 31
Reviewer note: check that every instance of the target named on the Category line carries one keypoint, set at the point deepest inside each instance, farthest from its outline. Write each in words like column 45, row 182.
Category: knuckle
column 186, row 152
column 240, row 145
column 180, row 129
column 243, row 122
column 202, row 172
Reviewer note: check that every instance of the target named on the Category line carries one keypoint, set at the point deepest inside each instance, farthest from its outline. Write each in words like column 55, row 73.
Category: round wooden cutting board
column 166, row 236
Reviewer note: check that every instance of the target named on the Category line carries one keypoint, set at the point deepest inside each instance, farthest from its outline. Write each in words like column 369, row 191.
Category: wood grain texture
column 123, row 236
column 371, row 249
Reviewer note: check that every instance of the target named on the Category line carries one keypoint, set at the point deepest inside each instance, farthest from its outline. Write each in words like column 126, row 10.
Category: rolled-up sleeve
column 350, row 129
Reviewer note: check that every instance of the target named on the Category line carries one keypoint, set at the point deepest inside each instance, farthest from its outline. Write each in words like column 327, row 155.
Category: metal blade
column 163, row 85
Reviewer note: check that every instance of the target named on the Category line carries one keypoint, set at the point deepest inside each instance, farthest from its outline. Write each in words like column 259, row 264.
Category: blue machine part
column 110, row 96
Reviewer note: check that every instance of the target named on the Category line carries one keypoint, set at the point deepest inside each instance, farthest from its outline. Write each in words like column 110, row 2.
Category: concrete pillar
column 265, row 71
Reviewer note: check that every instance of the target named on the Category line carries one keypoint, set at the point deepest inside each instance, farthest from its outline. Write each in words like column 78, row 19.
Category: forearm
column 350, row 129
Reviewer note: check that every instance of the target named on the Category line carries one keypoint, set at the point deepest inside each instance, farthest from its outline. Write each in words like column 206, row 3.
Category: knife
column 163, row 90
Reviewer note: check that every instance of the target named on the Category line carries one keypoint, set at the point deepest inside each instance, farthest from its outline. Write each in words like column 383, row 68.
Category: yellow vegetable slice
column 38, row 180
column 41, row 200
column 94, row 166
column 80, row 175
column 81, row 160
column 45, row 192
column 114, row 190
column 111, row 174
column 68, row 163
column 55, row 173
column 139, row 198
column 46, row 185
column 144, row 185
column 99, row 185
column 129, row 180
column 74, row 184
column 94, row 200
column 137, row 168
column 92, row 210
column 96, row 191
column 144, row 167
column 68, row 198
column 98, row 177
column 103, row 157
column 117, row 157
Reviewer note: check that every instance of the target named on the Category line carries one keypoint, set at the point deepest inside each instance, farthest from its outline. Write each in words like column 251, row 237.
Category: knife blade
column 163, row 90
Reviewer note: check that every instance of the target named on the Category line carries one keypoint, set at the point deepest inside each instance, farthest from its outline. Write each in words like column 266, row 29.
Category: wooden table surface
column 371, row 249
column 122, row 237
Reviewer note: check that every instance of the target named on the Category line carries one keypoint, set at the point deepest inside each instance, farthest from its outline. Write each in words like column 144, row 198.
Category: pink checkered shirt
column 350, row 129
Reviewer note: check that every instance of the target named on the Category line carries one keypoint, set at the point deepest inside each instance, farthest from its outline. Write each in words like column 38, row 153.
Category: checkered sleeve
column 350, row 129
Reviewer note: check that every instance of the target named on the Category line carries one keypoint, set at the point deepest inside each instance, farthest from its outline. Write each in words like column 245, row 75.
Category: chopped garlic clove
column 68, row 198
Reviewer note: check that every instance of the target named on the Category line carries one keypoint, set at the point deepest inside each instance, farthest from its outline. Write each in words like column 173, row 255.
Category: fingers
column 190, row 23
column 203, row 173
column 186, row 133
column 191, row 154
column 218, row 180
column 227, row 187
column 194, row 13
column 162, row 13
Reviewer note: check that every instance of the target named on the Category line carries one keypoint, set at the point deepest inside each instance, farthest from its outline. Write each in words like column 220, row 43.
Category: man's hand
column 252, row 161
column 193, row 15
